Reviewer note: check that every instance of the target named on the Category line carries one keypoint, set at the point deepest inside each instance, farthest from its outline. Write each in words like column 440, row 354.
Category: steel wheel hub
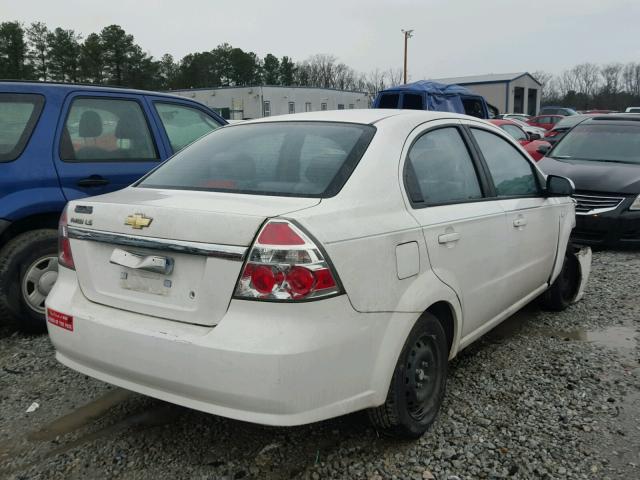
column 38, row 281
column 421, row 377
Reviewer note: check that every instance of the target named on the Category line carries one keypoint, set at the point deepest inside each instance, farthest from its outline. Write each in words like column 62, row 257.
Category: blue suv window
column 183, row 124
column 106, row 129
column 19, row 114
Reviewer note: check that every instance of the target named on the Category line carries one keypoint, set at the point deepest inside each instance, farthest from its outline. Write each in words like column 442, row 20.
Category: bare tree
column 567, row 82
column 394, row 76
column 587, row 77
column 549, row 85
column 611, row 78
column 375, row 81
column 631, row 78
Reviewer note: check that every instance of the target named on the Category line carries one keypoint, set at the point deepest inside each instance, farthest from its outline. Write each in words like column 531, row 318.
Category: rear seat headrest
column 90, row 125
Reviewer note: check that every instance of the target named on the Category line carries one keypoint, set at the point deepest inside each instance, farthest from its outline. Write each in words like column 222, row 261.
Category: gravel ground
column 542, row 396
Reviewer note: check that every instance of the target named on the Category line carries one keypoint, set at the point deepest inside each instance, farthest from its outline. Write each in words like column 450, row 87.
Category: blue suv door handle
column 93, row 181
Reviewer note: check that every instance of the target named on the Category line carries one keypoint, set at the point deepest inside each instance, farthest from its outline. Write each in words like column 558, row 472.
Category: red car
column 513, row 129
column 545, row 121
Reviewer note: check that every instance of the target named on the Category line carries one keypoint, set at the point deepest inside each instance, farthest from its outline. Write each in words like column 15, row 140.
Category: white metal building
column 509, row 92
column 238, row 103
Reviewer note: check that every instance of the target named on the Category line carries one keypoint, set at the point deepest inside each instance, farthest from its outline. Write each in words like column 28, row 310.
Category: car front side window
column 512, row 173
column 439, row 169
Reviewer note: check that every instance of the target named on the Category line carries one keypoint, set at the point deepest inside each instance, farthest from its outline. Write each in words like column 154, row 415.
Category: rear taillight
column 285, row 264
column 65, row 257
column 551, row 133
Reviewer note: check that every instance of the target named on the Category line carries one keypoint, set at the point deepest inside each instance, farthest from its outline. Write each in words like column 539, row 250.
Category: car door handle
column 448, row 238
column 519, row 222
column 93, row 181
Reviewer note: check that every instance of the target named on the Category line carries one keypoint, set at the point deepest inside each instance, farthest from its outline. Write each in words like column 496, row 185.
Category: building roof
column 488, row 78
column 231, row 87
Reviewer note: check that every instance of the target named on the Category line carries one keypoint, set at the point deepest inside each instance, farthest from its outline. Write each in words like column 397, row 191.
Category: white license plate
column 145, row 282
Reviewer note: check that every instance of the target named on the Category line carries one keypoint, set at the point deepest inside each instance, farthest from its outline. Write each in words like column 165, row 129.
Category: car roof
column 629, row 119
column 43, row 87
column 503, row 121
column 363, row 116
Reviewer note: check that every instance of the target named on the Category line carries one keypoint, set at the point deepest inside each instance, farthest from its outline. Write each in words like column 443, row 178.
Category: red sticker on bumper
column 59, row 319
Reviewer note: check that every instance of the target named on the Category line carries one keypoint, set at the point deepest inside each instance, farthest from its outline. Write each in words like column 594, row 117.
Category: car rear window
column 305, row 159
column 18, row 116
column 605, row 142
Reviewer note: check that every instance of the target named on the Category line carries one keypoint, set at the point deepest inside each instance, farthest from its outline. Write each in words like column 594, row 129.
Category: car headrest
column 90, row 125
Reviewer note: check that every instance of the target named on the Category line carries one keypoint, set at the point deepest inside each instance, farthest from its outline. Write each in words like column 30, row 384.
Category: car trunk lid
column 171, row 254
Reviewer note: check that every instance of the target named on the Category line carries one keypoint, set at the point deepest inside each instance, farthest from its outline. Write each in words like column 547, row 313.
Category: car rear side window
column 184, row 124
column 511, row 172
column 305, row 159
column 439, row 169
column 19, row 114
column 389, row 100
column 412, row 101
column 106, row 129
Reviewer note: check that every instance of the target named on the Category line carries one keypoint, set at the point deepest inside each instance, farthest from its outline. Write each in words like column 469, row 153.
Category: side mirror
column 534, row 136
column 558, row 186
column 543, row 149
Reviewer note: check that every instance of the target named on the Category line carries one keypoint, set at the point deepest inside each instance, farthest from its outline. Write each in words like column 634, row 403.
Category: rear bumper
column 620, row 227
column 269, row 363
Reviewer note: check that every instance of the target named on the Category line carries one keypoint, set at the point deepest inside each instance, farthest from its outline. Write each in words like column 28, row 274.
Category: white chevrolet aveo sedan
column 296, row 268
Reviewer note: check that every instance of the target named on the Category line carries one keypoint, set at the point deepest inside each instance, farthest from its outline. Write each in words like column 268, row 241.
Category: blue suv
column 59, row 142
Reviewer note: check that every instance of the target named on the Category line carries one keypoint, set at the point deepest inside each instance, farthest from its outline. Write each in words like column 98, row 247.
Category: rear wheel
column 418, row 384
column 28, row 270
column 564, row 289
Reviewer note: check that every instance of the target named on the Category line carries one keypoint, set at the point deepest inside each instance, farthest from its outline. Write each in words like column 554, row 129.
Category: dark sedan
column 602, row 156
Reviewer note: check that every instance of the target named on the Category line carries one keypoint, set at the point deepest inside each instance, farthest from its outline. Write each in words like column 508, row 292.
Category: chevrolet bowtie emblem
column 138, row 221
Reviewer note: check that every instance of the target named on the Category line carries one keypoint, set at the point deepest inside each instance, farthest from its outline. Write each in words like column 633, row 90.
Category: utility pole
column 407, row 35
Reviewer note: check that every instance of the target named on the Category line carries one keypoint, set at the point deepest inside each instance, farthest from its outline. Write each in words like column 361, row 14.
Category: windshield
column 604, row 142
column 305, row 159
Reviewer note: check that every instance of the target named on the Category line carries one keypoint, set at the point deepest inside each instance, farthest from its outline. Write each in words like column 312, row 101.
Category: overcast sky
column 452, row 37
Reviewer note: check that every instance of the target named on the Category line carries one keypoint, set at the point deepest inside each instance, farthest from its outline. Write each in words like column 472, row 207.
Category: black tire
column 564, row 289
column 415, row 396
column 16, row 257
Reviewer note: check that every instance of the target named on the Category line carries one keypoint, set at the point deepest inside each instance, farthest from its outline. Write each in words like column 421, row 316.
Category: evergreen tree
column 271, row 70
column 92, row 59
column 13, row 52
column 38, row 37
column 64, row 55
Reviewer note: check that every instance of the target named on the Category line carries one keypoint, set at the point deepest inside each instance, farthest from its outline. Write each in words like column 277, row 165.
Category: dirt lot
column 543, row 396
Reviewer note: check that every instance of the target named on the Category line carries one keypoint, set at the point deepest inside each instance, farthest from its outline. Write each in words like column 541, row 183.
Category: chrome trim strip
column 596, row 204
column 228, row 252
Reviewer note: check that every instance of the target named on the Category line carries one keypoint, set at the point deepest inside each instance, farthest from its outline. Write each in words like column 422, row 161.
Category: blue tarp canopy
column 439, row 96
